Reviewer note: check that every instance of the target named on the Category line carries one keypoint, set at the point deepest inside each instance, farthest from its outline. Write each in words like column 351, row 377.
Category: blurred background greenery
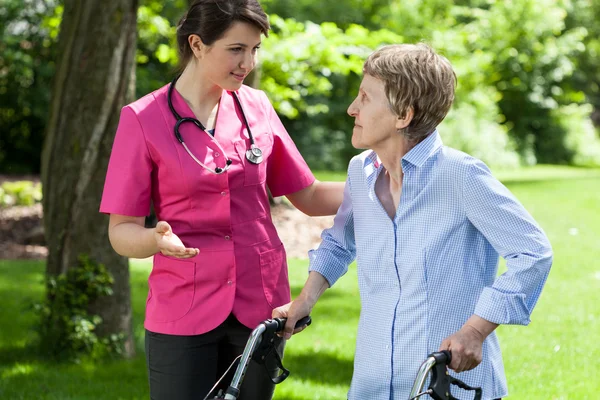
column 528, row 76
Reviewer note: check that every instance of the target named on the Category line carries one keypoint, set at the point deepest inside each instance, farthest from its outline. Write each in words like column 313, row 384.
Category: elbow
column 112, row 240
column 115, row 243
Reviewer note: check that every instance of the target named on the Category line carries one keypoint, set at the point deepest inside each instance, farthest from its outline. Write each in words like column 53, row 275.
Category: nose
column 249, row 61
column 352, row 109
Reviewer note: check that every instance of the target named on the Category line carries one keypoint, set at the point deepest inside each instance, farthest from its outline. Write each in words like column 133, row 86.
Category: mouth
column 239, row 77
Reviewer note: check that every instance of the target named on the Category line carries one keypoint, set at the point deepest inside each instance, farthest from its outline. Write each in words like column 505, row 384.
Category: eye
column 254, row 50
column 236, row 49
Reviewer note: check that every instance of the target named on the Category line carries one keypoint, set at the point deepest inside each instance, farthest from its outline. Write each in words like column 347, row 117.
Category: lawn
column 556, row 357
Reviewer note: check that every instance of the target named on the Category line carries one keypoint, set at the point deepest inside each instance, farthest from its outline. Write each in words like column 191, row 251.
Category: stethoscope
column 254, row 154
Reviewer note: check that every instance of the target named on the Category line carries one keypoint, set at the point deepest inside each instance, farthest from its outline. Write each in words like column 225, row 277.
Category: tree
column 94, row 79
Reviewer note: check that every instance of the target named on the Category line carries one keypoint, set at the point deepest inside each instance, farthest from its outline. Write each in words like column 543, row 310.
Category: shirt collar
column 423, row 151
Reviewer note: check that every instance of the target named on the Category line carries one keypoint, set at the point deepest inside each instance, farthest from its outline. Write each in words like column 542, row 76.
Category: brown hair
column 416, row 77
column 210, row 19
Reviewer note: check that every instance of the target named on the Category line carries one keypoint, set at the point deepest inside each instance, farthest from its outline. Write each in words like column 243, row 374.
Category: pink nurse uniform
column 241, row 268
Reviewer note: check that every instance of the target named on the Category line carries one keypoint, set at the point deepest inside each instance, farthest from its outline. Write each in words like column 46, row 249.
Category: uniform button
column 217, row 154
column 227, row 237
column 223, row 193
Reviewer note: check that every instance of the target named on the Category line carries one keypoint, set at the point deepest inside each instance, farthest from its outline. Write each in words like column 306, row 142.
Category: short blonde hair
column 416, row 77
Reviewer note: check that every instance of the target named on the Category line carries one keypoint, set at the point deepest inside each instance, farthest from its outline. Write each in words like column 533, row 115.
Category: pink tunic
column 242, row 264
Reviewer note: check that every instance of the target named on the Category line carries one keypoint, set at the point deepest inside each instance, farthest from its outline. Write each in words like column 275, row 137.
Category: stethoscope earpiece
column 254, row 155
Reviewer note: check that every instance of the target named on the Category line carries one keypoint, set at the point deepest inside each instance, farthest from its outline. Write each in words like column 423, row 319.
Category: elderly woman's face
column 374, row 122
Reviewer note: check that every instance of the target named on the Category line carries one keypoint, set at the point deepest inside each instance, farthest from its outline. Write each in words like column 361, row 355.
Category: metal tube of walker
column 422, row 377
column 238, row 377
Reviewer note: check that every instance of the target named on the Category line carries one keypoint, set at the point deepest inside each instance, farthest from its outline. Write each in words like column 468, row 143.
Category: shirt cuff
column 328, row 264
column 502, row 308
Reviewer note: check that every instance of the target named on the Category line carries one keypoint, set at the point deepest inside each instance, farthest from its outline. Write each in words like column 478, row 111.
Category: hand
column 293, row 311
column 466, row 348
column 169, row 243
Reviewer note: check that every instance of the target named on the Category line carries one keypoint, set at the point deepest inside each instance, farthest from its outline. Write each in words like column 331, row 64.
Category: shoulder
column 148, row 104
column 458, row 163
column 254, row 95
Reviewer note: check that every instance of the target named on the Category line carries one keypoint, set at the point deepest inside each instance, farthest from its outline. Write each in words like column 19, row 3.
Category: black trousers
column 187, row 367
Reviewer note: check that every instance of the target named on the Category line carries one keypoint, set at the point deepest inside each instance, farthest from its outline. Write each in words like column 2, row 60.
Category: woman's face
column 374, row 122
column 231, row 58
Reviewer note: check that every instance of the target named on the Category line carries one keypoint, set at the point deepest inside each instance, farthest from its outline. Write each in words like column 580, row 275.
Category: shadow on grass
column 319, row 367
column 19, row 354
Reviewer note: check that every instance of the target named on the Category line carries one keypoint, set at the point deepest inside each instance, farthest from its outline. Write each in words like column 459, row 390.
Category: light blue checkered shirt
column 424, row 273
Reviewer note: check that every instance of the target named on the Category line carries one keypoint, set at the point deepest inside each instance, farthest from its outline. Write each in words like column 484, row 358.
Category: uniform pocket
column 171, row 284
column 274, row 274
column 254, row 174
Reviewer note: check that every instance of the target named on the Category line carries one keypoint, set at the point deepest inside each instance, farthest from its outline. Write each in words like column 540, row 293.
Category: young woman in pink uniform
column 204, row 149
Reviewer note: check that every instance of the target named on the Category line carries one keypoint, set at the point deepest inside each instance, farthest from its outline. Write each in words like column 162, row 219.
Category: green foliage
column 523, row 67
column 27, row 54
column 311, row 73
column 367, row 13
column 66, row 328
column 585, row 14
column 20, row 193
column 156, row 54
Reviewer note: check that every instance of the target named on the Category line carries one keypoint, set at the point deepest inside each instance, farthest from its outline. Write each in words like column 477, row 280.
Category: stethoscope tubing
column 254, row 155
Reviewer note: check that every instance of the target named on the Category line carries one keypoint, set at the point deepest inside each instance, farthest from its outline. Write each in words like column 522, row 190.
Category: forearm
column 314, row 287
column 319, row 199
column 132, row 240
column 327, row 197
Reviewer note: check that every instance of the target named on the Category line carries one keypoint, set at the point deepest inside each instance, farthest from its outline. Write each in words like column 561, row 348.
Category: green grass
column 555, row 357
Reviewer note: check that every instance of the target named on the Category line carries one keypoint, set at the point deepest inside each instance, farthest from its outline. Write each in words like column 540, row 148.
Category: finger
column 465, row 361
column 457, row 358
column 279, row 312
column 475, row 361
column 288, row 331
column 445, row 345
column 191, row 252
column 186, row 255
column 173, row 251
column 300, row 329
column 162, row 227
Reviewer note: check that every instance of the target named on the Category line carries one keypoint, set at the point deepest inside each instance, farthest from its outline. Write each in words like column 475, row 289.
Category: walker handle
column 306, row 321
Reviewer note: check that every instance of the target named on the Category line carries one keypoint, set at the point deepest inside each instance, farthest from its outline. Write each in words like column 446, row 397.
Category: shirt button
column 223, row 193
column 229, row 283
column 227, row 237
column 217, row 154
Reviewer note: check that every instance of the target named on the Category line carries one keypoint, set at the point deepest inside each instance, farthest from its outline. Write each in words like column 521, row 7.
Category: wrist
column 152, row 240
column 480, row 326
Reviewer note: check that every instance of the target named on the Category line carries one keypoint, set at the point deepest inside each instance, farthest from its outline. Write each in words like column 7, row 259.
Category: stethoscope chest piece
column 254, row 155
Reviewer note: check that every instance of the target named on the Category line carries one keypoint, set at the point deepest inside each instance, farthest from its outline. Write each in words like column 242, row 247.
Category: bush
column 66, row 327
column 20, row 193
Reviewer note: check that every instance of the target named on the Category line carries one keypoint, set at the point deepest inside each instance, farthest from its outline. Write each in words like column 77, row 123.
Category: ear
column 402, row 123
column 197, row 46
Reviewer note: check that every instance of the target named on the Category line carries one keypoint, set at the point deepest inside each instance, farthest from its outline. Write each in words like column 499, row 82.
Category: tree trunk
column 95, row 77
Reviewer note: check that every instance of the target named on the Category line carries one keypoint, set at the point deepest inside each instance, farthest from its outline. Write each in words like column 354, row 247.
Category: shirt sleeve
column 287, row 172
column 515, row 235
column 338, row 247
column 127, row 188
